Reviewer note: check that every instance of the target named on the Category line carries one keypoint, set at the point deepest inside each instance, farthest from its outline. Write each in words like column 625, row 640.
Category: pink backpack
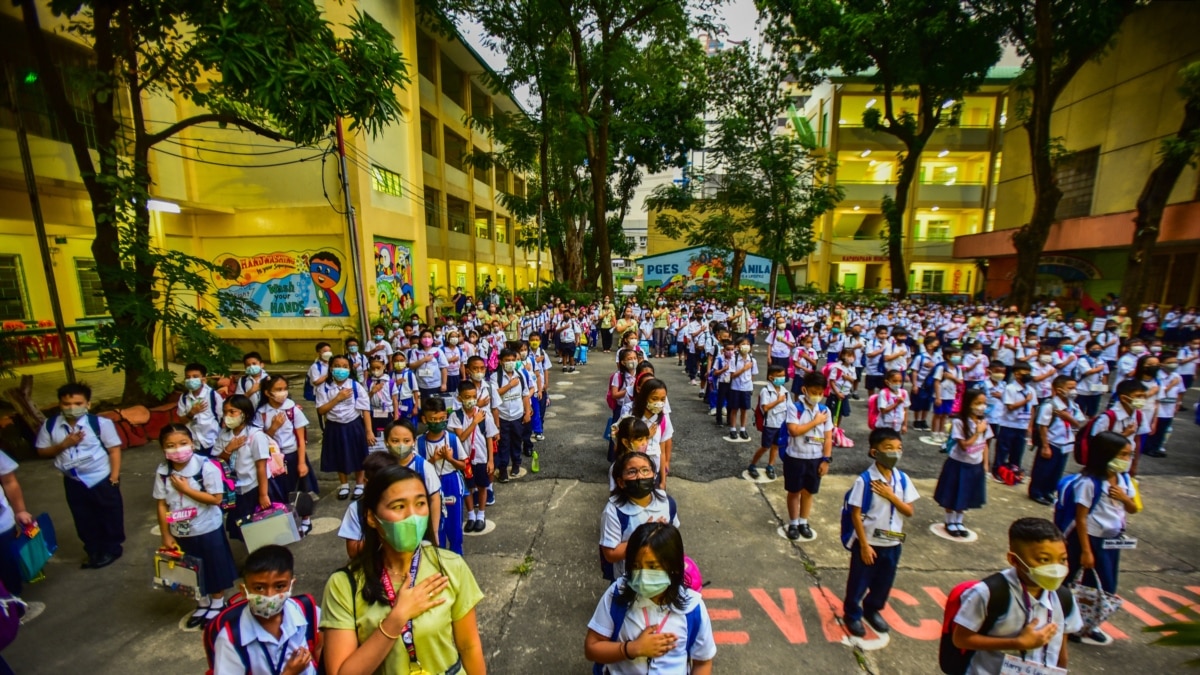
column 872, row 411
column 691, row 575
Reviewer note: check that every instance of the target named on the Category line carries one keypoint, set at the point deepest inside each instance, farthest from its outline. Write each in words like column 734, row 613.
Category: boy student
column 87, row 450
column 1127, row 416
column 408, row 400
column 542, row 365
column 773, row 400
column 1035, row 614
column 1019, row 399
column 887, row 495
column 808, row 454
column 446, row 455
column 318, row 374
column 946, row 382
column 875, row 348
column 742, row 369
column 475, row 430
column 250, row 385
column 512, row 411
column 199, row 407
column 893, row 403
column 1058, row 419
column 720, row 372
column 278, row 632
column 358, row 363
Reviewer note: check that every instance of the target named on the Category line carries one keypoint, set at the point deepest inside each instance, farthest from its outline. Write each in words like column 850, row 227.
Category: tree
column 1177, row 153
column 919, row 53
column 1056, row 38
column 276, row 69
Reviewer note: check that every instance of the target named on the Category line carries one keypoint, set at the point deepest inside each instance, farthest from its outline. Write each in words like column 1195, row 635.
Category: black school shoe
column 793, row 532
column 856, row 628
column 877, row 623
column 806, row 531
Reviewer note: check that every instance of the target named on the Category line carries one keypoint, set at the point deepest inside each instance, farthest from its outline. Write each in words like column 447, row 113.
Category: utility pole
column 355, row 255
column 39, row 224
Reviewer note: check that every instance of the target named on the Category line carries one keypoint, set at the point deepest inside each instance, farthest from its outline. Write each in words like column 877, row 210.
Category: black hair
column 339, row 357
column 387, row 431
column 1140, row 372
column 327, row 257
column 198, row 367
column 630, row 428
column 432, row 404
column 881, row 434
column 775, row 368
column 643, row 397
column 173, row 428
column 251, row 355
column 265, row 390
column 351, row 339
column 369, row 561
column 664, row 540
column 964, row 410
column 618, row 472
column 372, row 464
column 507, row 352
column 1061, row 381
column 1102, row 448
column 1032, row 531
column 467, row 385
column 815, row 379
column 267, row 559
column 1129, row 388
column 243, row 405
column 475, row 359
column 1022, row 365
column 75, row 389
column 643, row 367
column 322, row 345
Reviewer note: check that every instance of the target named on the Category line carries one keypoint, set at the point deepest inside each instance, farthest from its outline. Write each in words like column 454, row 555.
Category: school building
column 1112, row 119
column 274, row 213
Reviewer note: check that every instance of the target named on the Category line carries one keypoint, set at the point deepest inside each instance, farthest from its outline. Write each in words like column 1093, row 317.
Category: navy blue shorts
column 802, row 474
column 770, row 436
column 480, row 477
column 945, row 407
column 739, row 400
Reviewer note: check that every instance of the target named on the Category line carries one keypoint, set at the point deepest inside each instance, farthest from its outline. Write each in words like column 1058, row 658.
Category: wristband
column 625, row 650
column 828, row 459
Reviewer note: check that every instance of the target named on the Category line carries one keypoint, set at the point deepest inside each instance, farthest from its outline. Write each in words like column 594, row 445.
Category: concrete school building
column 1112, row 117
column 273, row 213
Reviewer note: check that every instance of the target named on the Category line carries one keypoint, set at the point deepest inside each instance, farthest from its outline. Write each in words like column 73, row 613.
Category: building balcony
column 958, row 195
column 931, row 249
column 951, row 138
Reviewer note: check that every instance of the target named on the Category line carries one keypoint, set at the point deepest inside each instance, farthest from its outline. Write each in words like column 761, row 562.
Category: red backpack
column 230, row 619
column 872, row 411
column 1084, row 436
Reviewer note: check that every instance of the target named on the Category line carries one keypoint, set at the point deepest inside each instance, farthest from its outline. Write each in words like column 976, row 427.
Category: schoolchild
column 318, row 374
column 448, row 458
column 720, row 373
column 359, row 365
column 539, row 364
column 1091, row 371
column 251, row 383
column 874, row 359
column 1019, row 401
column 804, row 360
column 923, row 396
column 650, row 406
column 773, row 401
column 1170, row 391
column 962, row 484
column 841, row 384
column 189, row 488
column 878, row 532
column 893, row 402
column 384, row 396
column 632, row 435
column 200, row 407
column 1127, row 416
column 975, row 365
column 475, row 428
column 526, row 370
column 1044, row 372
column 347, row 410
column 13, row 514
column 1057, row 421
column 742, row 369
column 245, row 449
column 635, row 501
column 408, row 400
column 283, row 420
column 512, row 410
column 808, row 454
column 948, row 376
column 378, row 346
column 456, row 356
column 429, row 361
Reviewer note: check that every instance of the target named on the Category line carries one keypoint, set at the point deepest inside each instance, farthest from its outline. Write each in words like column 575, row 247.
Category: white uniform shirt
column 8, row 519
column 1108, row 518
column 745, row 381
column 205, row 425
column 208, row 517
column 381, row 401
column 781, row 342
column 947, row 389
column 1017, row 418
column 476, row 446
column 429, row 374
column 1170, row 388
column 892, row 419
column 244, row 459
column 882, row 514
column 349, row 409
column 899, row 363
column 246, row 382
column 86, row 462
column 611, row 534
column 1090, row 385
column 1061, row 435
column 704, row 648
column 293, row 419
column 1140, row 421
column 261, row 645
column 775, row 417
column 457, row 450
column 511, row 403
column 811, row 445
column 975, row 367
column 974, row 453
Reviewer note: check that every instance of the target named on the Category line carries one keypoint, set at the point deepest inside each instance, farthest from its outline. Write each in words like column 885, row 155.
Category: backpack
column 455, row 446
column 784, row 437
column 1064, row 506
column 608, row 397
column 230, row 620
column 872, row 411
column 1084, row 436
column 92, row 420
column 617, row 612
column 228, row 497
column 606, row 568
column 310, row 392
column 847, row 520
column 955, row 661
column 927, row 385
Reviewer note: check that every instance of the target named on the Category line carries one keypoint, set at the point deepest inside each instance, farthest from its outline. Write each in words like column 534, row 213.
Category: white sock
column 949, row 518
column 742, row 429
column 482, row 518
column 344, row 486
column 796, row 522
column 958, row 517
column 204, row 602
column 471, row 516
column 802, row 521
column 218, row 603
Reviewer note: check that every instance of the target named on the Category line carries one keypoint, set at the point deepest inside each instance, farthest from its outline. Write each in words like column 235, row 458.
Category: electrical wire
column 181, row 144
column 238, row 166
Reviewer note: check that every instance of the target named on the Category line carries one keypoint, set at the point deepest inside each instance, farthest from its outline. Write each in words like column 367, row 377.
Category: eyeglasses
column 639, row 473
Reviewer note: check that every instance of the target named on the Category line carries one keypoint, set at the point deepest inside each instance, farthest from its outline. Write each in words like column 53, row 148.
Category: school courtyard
column 774, row 603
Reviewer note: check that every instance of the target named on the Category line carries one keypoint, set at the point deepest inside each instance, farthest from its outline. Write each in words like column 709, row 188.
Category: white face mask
column 279, row 396
column 266, row 606
column 233, row 421
column 655, row 406
column 1048, row 577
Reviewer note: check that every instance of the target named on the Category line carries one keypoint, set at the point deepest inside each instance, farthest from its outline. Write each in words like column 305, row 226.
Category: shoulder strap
column 867, row 494
column 353, row 591
column 50, row 423
column 309, row 606
column 617, row 612
column 671, row 508
column 693, row 629
column 999, row 595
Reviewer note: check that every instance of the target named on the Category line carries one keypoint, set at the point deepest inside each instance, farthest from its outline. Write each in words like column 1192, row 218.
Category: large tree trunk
column 896, row 216
column 774, row 281
column 598, row 167
column 1150, row 206
column 1030, row 239
column 735, row 275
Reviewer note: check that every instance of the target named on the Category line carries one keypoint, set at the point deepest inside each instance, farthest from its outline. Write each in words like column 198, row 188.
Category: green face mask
column 404, row 535
column 649, row 583
column 436, row 427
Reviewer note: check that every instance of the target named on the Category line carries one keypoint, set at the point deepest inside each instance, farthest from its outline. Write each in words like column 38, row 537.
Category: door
column 850, row 281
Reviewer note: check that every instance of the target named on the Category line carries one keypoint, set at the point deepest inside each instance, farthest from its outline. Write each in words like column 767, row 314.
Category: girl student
column 1171, row 389
column 648, row 620
column 620, row 388
column 456, row 357
column 1105, row 496
column 385, row 399
column 635, row 500
column 284, row 421
column 402, row 605
column 408, row 401
column 650, row 407
column 346, row 407
column 962, row 483
column 247, row 450
column 189, row 488
column 632, row 435
column 804, row 361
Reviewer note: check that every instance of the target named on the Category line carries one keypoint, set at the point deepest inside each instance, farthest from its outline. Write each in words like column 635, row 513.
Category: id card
column 889, row 535
column 1121, row 542
column 1015, row 665
column 426, row 370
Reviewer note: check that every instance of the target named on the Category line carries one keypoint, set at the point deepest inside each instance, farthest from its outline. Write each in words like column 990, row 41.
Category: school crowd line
column 418, row 421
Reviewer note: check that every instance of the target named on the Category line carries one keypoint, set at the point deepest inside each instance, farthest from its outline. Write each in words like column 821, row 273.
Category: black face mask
column 1024, row 378
column 1150, row 370
column 639, row 488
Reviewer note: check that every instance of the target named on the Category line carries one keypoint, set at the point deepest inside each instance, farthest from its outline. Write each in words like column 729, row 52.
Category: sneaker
column 877, row 623
column 33, row 609
column 501, row 477
column 517, row 473
column 745, row 436
column 1096, row 637
column 854, row 396
column 752, row 471
column 694, row 383
column 733, row 434
column 793, row 532
column 771, row 471
column 712, row 412
column 856, row 628
column 539, row 437
column 806, row 531
column 491, row 498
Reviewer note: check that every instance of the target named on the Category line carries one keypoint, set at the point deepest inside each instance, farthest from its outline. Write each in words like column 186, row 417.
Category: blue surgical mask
column 353, row 349
column 780, row 381
column 193, row 383
column 253, row 371
column 650, row 583
column 340, row 374
column 1068, row 348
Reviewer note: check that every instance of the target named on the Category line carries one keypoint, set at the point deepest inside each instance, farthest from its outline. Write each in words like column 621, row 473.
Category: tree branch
column 220, row 118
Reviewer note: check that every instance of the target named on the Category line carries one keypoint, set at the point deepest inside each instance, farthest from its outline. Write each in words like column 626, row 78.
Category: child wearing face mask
column 879, row 501
column 648, row 620
column 384, row 395
column 1095, row 521
column 1057, row 421
column 961, row 485
column 773, row 401
column 631, row 435
column 808, row 453
column 318, row 374
column 1170, row 391
column 199, row 407
column 720, row 373
column 189, row 488
column 272, row 632
column 346, row 406
column 893, row 402
column 1091, row 371
column 1044, row 373
column 841, row 383
column 1036, row 610
column 408, row 403
column 284, row 421
column 742, row 369
column 635, row 500
column 804, row 360
column 246, row 450
column 1019, row 400
column 1128, row 362
column 974, row 365
column 350, row 529
column 359, row 365
column 447, row 456
column 456, row 355
column 947, row 377
column 475, row 428
column 378, row 346
column 251, row 384
column 650, row 406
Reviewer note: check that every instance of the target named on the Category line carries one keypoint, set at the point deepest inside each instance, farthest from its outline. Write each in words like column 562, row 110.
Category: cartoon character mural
column 287, row 283
column 393, row 276
column 697, row 270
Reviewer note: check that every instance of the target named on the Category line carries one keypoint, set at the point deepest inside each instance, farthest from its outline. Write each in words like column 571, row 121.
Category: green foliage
column 1179, row 633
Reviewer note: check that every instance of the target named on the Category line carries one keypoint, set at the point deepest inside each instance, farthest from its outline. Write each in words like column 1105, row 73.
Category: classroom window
column 483, row 224
column 428, row 135
column 456, row 214
column 426, row 56
column 89, row 287
column 479, row 102
column 13, row 303
column 456, row 149
column 482, row 174
column 518, row 187
column 502, row 226
column 501, row 177
column 452, row 82
column 433, row 208
column 386, row 181
column 1076, row 177
column 931, row 280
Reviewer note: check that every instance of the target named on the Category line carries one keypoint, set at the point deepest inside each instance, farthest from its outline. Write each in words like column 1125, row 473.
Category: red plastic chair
column 29, row 343
column 53, row 347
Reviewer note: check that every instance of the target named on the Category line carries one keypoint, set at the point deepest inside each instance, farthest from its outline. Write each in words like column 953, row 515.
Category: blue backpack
column 455, row 447
column 92, row 420
column 617, row 612
column 784, row 437
column 606, row 568
column 1064, row 506
column 868, row 495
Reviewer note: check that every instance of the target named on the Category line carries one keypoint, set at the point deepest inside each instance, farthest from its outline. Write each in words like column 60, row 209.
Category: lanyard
column 407, row 633
column 273, row 667
column 1028, row 603
column 657, row 629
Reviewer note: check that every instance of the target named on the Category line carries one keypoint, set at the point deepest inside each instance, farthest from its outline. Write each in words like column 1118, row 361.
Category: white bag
column 1095, row 605
column 276, row 526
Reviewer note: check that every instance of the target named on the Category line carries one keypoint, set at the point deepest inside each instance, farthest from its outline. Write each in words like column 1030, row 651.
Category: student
column 430, row 364
column 189, row 488
column 773, row 400
column 456, row 356
column 511, row 410
column 1019, row 400
column 533, row 384
column 720, row 372
column 284, row 421
column 408, row 401
column 359, row 365
column 961, row 485
column 1057, row 420
column 251, row 384
column 948, row 376
column 808, row 454
column 246, row 450
column 841, row 384
column 540, row 364
column 632, row 435
column 780, row 343
column 379, row 346
column 742, row 369
column 475, row 429
column 804, row 360
column 634, row 501
column 199, row 407
column 923, row 396
column 1105, row 496
column 347, row 411
column 447, row 456
column 12, row 515
column 1044, row 372
column 384, row 396
column 1033, row 622
column 1170, row 391
column 1127, row 416
column 1091, row 372
column 650, row 406
column 318, row 374
column 893, row 402
column 647, row 613
column 875, row 557
column 874, row 360
column 974, row 365
column 272, row 625
column 87, row 450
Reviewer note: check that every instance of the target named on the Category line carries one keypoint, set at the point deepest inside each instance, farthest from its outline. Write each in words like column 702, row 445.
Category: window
column 452, row 82
column 12, row 289
column 428, row 135
column 1076, row 177
column 426, row 56
column 89, row 288
column 502, row 226
column 483, row 224
column 479, row 102
column 482, row 174
column 641, row 242
column 518, row 187
column 433, row 208
column 386, row 181
column 931, row 280
column 456, row 214
column 937, row 230
column 456, row 149
column 501, row 177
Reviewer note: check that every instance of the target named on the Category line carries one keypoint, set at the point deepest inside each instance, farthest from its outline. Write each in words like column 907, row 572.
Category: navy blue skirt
column 218, row 569
column 343, row 447
column 291, row 481
column 961, row 486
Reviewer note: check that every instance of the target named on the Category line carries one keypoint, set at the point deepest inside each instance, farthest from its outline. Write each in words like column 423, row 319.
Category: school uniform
column 805, row 361
column 246, row 382
column 477, row 445
column 661, row 431
column 804, row 454
column 205, row 425
column 923, row 365
column 407, row 389
column 95, row 502
column 383, row 404
column 961, row 484
column 874, row 364
column 1115, row 419
column 10, row 567
column 1187, row 366
column 535, row 404
column 287, row 438
column 359, row 365
column 1170, row 390
column 947, row 388
column 540, row 364
column 1005, row 349
column 1090, row 387
column 344, row 443
column 900, row 353
column 643, row 613
column 243, row 464
column 1022, row 609
column 841, row 383
column 265, row 653
column 429, row 374
column 882, row 524
column 1106, row 520
column 1014, row 425
column 351, row 526
column 450, row 530
column 197, row 526
column 612, row 534
column 780, row 342
column 510, row 408
column 455, row 357
column 894, row 418
column 381, row 348
column 741, row 385
column 775, row 418
column 1044, row 477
